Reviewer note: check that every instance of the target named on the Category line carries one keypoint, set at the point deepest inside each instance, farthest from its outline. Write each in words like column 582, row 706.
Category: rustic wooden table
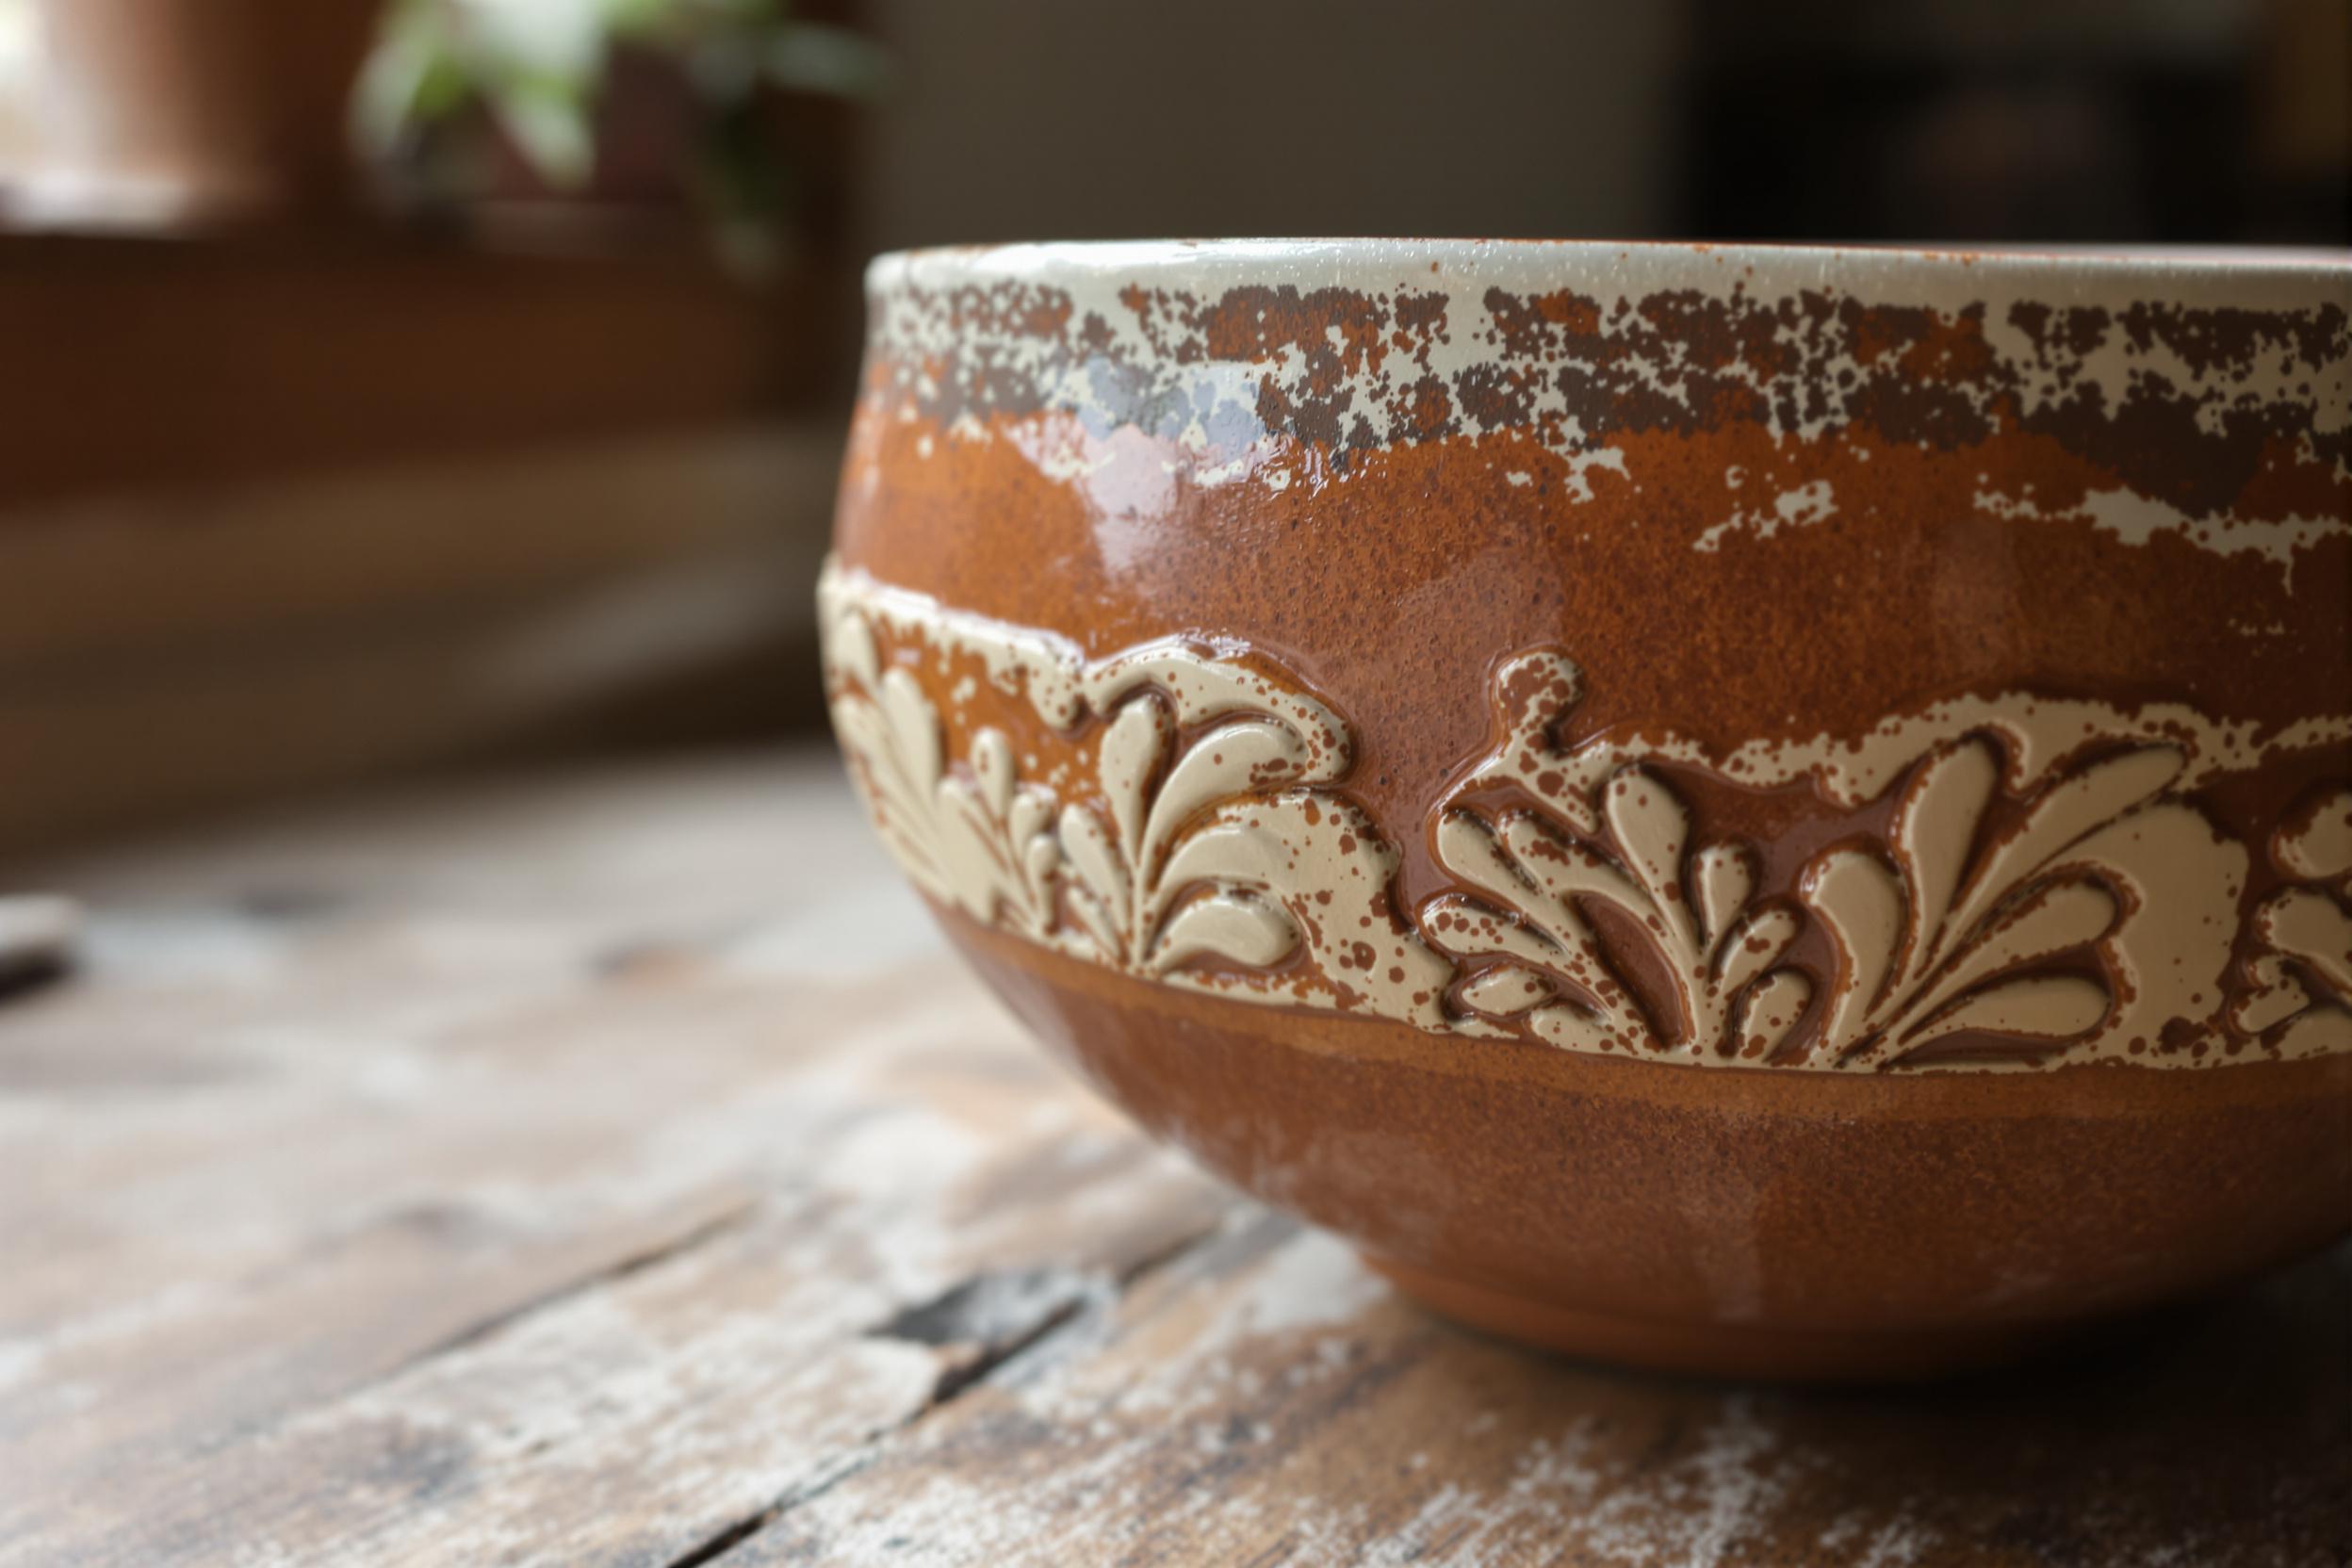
column 616, row 1170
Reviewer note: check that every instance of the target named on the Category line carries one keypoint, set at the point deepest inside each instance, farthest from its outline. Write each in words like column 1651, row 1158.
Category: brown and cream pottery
column 1756, row 810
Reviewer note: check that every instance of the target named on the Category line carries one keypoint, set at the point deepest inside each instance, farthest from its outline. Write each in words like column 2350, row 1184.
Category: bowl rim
column 2260, row 275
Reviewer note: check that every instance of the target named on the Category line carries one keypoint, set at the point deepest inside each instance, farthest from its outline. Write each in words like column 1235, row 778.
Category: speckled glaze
column 1760, row 811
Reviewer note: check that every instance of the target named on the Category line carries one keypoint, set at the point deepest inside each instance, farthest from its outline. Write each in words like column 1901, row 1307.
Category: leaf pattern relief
column 1124, row 854
column 1205, row 851
column 1950, row 928
column 2298, row 992
column 1539, row 874
column 2003, row 902
column 980, row 840
column 2080, row 920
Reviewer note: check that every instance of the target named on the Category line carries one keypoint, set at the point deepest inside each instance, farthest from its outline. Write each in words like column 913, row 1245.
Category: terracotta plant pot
column 164, row 109
column 1763, row 811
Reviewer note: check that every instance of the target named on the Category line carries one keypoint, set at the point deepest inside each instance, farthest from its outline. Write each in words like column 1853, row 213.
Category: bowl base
column 1725, row 1351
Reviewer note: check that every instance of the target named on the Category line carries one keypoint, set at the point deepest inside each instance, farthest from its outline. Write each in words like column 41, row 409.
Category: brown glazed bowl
column 1762, row 811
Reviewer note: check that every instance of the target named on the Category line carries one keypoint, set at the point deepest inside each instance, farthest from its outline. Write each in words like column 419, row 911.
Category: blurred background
column 446, row 382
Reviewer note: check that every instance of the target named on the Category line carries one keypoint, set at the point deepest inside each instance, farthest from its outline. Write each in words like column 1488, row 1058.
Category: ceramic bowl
column 1764, row 812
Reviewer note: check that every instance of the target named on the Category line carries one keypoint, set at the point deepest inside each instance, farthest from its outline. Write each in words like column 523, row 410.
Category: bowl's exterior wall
column 1839, row 668
column 1754, row 1224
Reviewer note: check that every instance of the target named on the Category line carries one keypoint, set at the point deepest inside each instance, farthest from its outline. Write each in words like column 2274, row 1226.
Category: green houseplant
column 607, row 102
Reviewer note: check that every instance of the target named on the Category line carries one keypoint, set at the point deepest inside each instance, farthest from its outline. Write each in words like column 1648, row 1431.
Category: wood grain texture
column 613, row 1168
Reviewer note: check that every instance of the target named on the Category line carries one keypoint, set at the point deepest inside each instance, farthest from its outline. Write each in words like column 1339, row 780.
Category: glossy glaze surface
column 1733, row 1223
column 1908, row 670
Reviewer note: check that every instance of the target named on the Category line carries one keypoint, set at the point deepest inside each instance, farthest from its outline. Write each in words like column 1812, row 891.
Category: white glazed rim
column 2253, row 277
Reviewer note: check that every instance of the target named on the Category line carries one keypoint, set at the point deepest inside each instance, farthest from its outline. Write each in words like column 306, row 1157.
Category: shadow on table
column 2176, row 1435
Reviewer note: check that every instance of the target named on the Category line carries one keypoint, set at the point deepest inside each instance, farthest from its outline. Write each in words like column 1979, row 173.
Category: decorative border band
column 1174, row 811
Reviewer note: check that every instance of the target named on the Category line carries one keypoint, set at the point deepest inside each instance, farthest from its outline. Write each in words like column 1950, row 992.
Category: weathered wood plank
column 635, row 1414
column 1266, row 1402
column 615, row 1170
column 343, row 1135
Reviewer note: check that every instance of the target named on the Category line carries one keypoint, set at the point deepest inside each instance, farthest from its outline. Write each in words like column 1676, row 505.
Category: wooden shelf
column 171, row 652
column 144, row 362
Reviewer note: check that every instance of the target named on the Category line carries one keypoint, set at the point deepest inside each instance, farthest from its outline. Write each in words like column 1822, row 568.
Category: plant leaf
column 813, row 56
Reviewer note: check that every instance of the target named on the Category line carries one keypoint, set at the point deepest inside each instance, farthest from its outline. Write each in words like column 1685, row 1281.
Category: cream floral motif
column 1191, row 828
column 1931, row 931
column 1208, row 851
column 1535, row 882
column 2302, row 975
column 981, row 842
